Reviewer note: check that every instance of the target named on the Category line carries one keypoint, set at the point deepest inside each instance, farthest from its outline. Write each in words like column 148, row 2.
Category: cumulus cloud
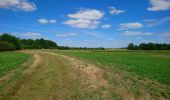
column 89, row 14
column 85, row 18
column 159, row 5
column 82, row 23
column 126, row 26
column 46, row 21
column 115, row 11
column 136, row 33
column 66, row 34
column 106, row 26
column 23, row 5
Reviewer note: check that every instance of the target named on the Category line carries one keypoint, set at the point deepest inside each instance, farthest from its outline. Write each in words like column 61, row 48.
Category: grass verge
column 12, row 66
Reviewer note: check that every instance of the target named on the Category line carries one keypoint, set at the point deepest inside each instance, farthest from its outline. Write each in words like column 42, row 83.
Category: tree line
column 9, row 42
column 149, row 46
column 38, row 44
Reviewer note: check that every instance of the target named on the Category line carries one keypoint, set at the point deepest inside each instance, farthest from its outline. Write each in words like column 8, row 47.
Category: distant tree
column 165, row 46
column 63, row 48
column 149, row 46
column 158, row 46
column 12, row 39
column 38, row 44
column 142, row 46
column 168, row 46
column 131, row 46
column 27, row 44
column 136, row 47
column 6, row 46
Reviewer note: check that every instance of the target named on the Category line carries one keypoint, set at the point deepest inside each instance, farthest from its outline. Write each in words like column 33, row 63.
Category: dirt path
column 57, row 77
column 48, row 78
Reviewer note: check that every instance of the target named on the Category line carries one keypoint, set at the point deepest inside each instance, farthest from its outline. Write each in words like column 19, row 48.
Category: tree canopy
column 38, row 44
column 9, row 42
column 11, row 39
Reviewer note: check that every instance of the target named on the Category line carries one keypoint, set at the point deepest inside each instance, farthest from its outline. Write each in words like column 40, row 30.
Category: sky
column 88, row 23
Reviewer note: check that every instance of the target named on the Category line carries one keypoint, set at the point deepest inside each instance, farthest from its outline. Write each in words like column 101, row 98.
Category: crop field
column 152, row 65
column 11, row 60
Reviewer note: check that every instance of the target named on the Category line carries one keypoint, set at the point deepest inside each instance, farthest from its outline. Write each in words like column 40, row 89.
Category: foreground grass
column 52, row 76
column 11, row 60
column 12, row 65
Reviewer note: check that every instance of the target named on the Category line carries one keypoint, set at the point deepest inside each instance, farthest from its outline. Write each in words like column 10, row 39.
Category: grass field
column 11, row 60
column 93, row 75
column 152, row 65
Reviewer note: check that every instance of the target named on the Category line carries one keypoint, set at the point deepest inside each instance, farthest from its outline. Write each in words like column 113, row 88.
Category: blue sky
column 89, row 23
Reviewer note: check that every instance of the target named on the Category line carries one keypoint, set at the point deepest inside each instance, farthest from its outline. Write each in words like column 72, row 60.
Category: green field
column 11, row 60
column 152, row 65
column 93, row 75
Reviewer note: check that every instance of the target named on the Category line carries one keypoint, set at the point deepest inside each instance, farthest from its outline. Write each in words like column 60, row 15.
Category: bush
column 6, row 46
column 12, row 39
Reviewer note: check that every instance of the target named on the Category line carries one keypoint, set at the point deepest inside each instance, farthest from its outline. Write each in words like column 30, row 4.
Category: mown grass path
column 52, row 77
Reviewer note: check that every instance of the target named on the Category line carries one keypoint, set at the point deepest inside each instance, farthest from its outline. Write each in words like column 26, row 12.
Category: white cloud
column 86, row 18
column 82, row 23
column 52, row 21
column 89, row 14
column 159, row 5
column 46, row 21
column 126, row 26
column 66, row 34
column 43, row 21
column 106, row 26
column 136, row 33
column 115, row 11
column 23, row 5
